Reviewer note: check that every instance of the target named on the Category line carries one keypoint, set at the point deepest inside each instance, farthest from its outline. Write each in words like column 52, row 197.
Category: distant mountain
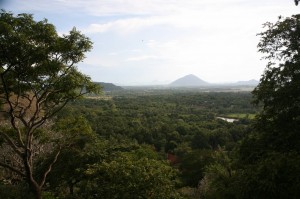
column 251, row 82
column 189, row 81
column 109, row 86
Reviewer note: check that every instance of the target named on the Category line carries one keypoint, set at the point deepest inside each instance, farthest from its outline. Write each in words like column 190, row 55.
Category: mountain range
column 188, row 81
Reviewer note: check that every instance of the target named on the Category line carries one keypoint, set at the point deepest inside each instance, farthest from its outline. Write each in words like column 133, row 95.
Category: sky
column 153, row 42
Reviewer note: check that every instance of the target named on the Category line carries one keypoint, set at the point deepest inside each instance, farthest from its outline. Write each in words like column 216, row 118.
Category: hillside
column 109, row 86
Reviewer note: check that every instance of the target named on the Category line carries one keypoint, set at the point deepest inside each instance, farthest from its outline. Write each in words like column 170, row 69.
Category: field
column 241, row 115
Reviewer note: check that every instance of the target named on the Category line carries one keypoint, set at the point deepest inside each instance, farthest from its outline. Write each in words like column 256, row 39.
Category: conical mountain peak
column 189, row 81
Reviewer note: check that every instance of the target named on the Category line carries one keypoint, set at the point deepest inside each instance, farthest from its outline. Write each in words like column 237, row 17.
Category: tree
column 270, row 157
column 38, row 77
column 278, row 90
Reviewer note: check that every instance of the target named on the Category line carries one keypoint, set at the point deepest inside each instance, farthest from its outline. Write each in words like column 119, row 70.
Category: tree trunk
column 71, row 188
column 34, row 186
column 37, row 191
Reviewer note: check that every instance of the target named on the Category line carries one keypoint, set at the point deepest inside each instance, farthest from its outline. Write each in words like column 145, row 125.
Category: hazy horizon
column 138, row 42
column 166, row 83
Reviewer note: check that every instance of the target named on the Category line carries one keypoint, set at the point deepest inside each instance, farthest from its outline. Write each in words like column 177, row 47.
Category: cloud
column 156, row 7
column 135, row 24
column 127, row 16
column 125, row 25
column 194, row 15
column 146, row 7
column 142, row 58
column 143, row 7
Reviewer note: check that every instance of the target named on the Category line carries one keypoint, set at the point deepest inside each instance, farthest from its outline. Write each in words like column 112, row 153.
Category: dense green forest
column 166, row 119
column 179, row 126
column 60, row 137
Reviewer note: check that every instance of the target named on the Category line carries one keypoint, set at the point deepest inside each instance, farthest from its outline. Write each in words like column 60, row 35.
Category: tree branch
column 12, row 169
column 43, row 180
column 12, row 144
column 11, row 111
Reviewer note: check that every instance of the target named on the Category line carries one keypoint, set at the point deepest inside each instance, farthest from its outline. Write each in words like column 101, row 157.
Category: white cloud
column 125, row 25
column 205, row 15
column 157, row 7
column 142, row 58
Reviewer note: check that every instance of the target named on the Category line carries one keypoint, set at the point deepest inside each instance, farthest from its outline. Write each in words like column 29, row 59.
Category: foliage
column 276, row 175
column 127, row 177
column 15, row 192
column 193, row 165
column 112, row 169
column 279, row 86
column 219, row 179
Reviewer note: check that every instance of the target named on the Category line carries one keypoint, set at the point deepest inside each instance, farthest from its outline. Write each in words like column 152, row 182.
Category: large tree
column 278, row 90
column 38, row 77
column 270, row 157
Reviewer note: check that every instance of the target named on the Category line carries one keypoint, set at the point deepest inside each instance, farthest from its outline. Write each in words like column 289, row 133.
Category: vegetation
column 241, row 115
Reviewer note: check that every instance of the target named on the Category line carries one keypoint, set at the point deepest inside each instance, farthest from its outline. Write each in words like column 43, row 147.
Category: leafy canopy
column 35, row 60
